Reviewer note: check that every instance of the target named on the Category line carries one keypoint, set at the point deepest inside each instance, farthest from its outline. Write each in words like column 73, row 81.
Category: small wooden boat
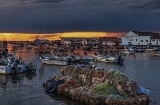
column 62, row 61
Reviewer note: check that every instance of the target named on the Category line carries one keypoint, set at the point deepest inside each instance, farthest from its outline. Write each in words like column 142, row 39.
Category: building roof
column 76, row 38
column 146, row 33
column 107, row 37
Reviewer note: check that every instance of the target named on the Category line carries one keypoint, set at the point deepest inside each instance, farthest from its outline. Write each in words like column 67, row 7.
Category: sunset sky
column 58, row 17
column 54, row 36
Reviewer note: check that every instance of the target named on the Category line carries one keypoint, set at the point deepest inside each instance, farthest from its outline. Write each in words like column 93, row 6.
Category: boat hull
column 155, row 54
column 105, row 59
column 54, row 62
column 5, row 70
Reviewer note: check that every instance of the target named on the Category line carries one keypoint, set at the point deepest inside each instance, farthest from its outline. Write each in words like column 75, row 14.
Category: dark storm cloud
column 47, row 1
column 147, row 5
column 79, row 15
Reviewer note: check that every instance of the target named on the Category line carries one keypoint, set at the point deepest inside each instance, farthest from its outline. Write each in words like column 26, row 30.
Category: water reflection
column 26, row 89
column 30, row 76
column 11, row 81
column 46, row 71
column 132, row 56
column 66, row 100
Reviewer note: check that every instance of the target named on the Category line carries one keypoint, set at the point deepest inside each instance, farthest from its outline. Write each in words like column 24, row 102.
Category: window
column 141, row 40
column 146, row 40
column 153, row 39
column 136, row 39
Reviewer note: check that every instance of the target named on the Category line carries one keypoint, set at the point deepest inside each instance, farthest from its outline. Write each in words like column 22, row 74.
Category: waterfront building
column 141, row 38
column 39, row 41
column 3, row 45
column 78, row 41
column 84, row 41
column 57, row 42
column 108, row 41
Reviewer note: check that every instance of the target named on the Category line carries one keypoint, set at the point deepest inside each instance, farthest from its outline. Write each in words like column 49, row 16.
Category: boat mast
column 40, row 31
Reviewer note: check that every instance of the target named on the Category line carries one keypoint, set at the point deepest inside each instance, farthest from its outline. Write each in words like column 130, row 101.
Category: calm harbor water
column 26, row 89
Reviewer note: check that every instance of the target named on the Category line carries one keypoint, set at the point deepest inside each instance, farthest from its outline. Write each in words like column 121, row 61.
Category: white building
column 141, row 38
column 66, row 42
column 77, row 40
column 84, row 42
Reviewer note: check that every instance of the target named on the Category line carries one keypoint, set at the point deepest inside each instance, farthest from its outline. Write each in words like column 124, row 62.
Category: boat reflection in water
column 15, row 81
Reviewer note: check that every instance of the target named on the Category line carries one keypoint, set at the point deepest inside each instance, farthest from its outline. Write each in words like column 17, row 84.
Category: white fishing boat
column 105, row 58
column 129, row 51
column 62, row 61
column 15, row 66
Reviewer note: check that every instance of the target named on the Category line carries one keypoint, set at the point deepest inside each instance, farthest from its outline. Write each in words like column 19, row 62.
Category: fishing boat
column 80, row 60
column 62, row 61
column 105, row 58
column 136, row 49
column 108, row 59
column 129, row 51
column 15, row 66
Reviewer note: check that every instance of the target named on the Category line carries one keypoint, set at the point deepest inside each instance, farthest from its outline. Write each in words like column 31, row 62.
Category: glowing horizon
column 55, row 36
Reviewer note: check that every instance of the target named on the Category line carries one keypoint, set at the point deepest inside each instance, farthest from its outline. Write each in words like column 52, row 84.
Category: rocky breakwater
column 97, row 87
